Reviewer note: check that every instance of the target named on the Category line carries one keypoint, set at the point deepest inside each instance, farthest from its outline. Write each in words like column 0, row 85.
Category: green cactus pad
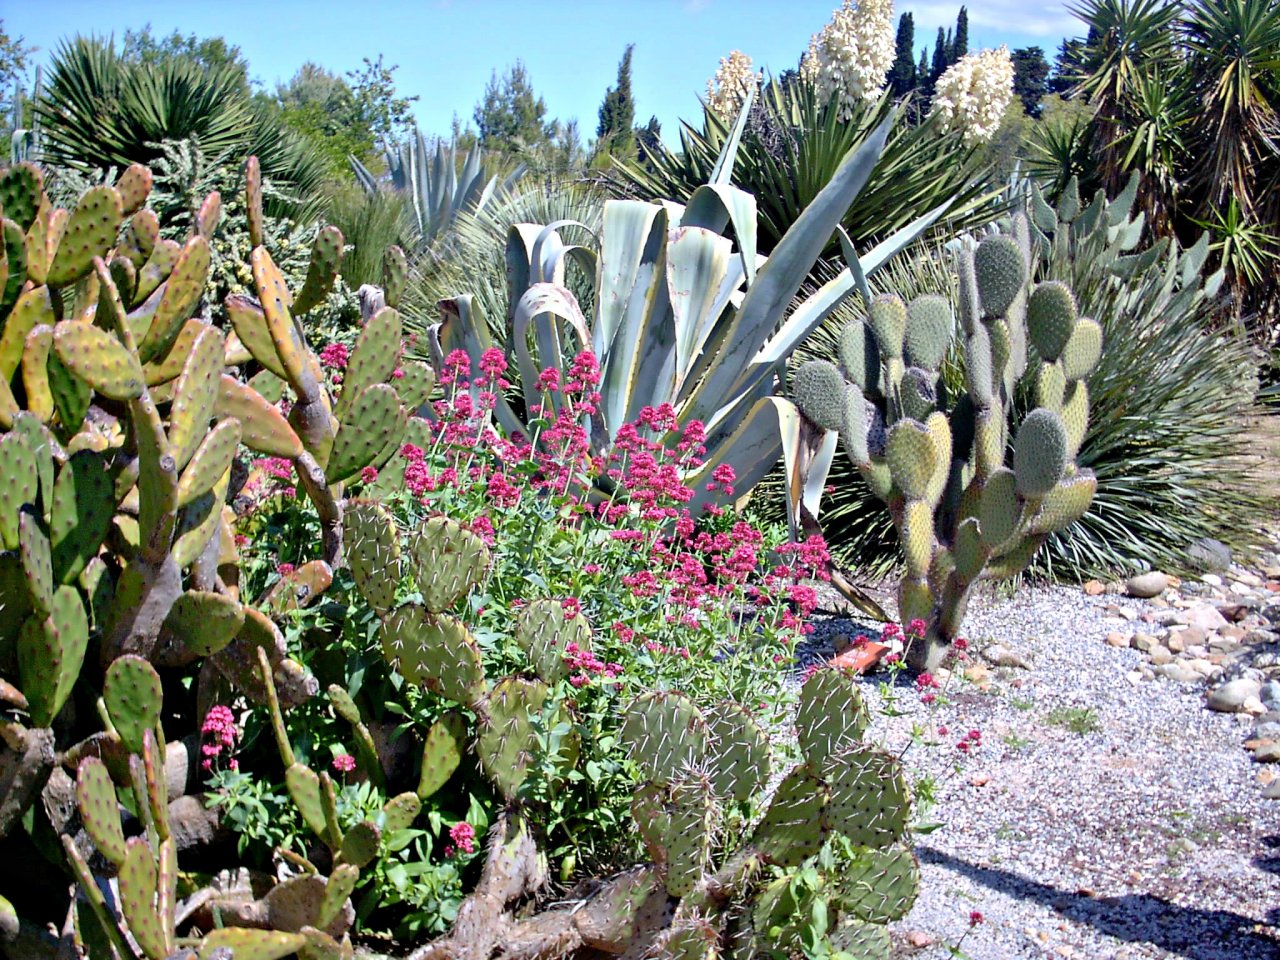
column 253, row 203
column 870, row 802
column 434, row 650
column 21, row 484
column 665, row 735
column 360, row 844
column 1051, row 318
column 939, row 428
column 448, row 561
column 1002, row 347
column 157, row 269
column 372, row 550
column 918, row 392
column 859, row 356
column 792, row 829
column 134, row 186
column 99, row 809
column 182, row 291
column 912, row 459
column 1051, row 386
column 80, row 515
column 246, row 944
column 268, row 385
column 15, row 253
column 968, row 551
column 1040, row 453
column 395, row 275
column 544, row 631
column 979, row 369
column 211, row 461
column 1075, row 416
column 274, row 297
column 35, row 373
column 442, row 752
column 138, row 885
column 915, row 600
column 989, row 440
column 373, row 360
column 250, row 326
column 737, row 756
column 508, row 740
column 133, row 696
column 414, row 384
column 32, row 309
column 304, row 788
column 1000, row 510
column 690, row 822
column 862, row 941
column 195, row 395
column 374, row 422
column 125, row 276
column 90, row 232
column 400, row 811
column 917, row 537
column 887, row 318
column 853, row 428
column 830, row 715
column 99, row 359
column 1065, row 503
column 140, row 237
column 204, row 621
column 337, row 890
column 263, row 427
column 928, row 335
column 690, row 940
column 1083, row 350
column 1001, row 274
column 322, row 271
column 37, row 560
column 817, row 388
column 21, row 192
column 208, row 215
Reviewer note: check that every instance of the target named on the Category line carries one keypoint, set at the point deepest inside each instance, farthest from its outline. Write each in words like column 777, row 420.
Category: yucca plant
column 792, row 144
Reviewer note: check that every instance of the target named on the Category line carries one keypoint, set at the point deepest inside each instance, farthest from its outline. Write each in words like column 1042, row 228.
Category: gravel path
column 1101, row 818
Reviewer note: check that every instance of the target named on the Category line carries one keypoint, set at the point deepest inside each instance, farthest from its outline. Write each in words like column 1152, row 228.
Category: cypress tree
column 618, row 112
column 940, row 50
column 960, row 45
column 902, row 75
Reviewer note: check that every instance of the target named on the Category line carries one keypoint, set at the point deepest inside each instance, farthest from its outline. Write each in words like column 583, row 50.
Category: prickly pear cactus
column 972, row 492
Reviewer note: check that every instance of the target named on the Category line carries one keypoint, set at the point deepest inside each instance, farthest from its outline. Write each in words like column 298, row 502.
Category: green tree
column 960, row 45
column 509, row 116
column 941, row 54
column 388, row 115
column 902, row 75
column 614, row 132
column 1066, row 66
column 1030, row 78
column 213, row 54
column 14, row 55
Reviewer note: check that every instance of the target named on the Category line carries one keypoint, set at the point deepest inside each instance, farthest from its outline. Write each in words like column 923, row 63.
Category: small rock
column 1269, row 752
column 1178, row 672
column 1246, row 578
column 998, row 655
column 1266, row 730
column 1272, row 791
column 1147, row 585
column 1233, row 632
column 1209, row 554
column 1241, row 589
column 1160, row 655
column 979, row 780
column 1271, row 573
column 919, row 939
column 1190, row 637
column 1206, row 618
column 1231, row 696
column 1203, row 667
column 1233, row 612
column 1270, row 694
column 1254, row 707
column 1144, row 642
column 1212, row 579
column 1176, row 644
column 1134, row 677
column 1094, row 588
column 1117, row 640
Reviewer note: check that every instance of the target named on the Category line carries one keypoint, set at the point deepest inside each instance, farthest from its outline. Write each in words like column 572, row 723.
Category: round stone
column 1147, row 585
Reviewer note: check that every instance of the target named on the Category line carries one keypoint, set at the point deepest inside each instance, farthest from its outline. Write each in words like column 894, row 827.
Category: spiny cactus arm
column 328, row 507
column 273, row 706
column 97, row 902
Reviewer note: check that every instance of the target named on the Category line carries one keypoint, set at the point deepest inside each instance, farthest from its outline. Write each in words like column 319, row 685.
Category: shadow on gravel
column 1137, row 918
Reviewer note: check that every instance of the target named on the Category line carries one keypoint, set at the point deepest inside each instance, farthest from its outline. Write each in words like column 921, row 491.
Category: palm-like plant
column 100, row 110
column 1055, row 153
column 791, row 146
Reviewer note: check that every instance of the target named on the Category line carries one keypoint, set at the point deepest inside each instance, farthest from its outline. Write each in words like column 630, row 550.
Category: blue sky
column 446, row 49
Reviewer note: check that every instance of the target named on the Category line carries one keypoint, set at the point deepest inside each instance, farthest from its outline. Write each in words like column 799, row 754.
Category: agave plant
column 792, row 144
column 437, row 189
column 682, row 315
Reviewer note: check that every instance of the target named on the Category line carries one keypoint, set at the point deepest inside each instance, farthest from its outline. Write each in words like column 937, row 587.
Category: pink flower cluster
column 220, row 726
column 463, row 837
column 335, row 356
column 970, row 741
column 343, row 763
column 583, row 665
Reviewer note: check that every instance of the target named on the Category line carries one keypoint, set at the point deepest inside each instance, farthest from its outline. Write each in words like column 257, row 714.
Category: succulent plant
column 971, row 496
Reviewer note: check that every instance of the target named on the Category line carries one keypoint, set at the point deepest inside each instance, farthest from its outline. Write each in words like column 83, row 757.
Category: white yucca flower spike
column 850, row 57
column 973, row 94
column 734, row 79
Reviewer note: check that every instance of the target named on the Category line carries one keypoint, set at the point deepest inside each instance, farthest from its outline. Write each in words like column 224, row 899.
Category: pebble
column 1144, row 642
column 1212, row 579
column 1161, row 655
column 1147, row 585
column 1117, row 639
column 1269, row 752
column 1267, row 730
column 1179, row 672
column 1232, row 696
column 998, row 655
column 1206, row 618
column 1270, row 694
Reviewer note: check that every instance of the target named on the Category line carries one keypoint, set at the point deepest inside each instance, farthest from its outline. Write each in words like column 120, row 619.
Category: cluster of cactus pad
column 125, row 401
column 971, row 497
column 701, row 893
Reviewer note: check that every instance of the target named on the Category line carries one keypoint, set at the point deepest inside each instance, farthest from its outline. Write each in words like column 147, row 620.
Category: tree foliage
column 614, row 131
column 510, row 116
column 902, row 75
column 1030, row 78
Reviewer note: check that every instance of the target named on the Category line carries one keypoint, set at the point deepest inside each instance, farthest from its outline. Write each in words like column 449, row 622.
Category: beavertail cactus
column 972, row 493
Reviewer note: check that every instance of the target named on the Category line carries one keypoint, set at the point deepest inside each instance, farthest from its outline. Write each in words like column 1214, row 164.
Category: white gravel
column 1145, row 837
